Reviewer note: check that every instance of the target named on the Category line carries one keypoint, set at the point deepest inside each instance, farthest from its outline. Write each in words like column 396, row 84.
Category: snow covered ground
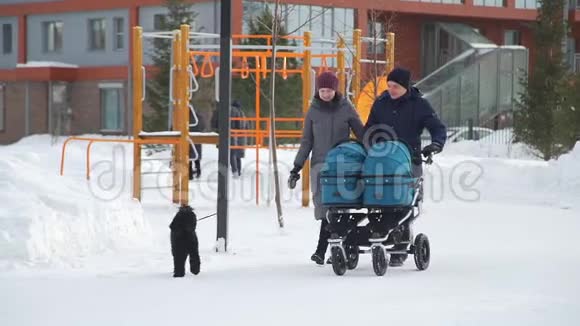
column 74, row 252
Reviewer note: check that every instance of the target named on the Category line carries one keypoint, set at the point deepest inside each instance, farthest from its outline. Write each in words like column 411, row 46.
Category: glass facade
column 478, row 85
column 297, row 19
column 323, row 22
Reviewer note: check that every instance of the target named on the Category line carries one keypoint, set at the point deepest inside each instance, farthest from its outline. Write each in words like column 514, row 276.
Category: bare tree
column 272, row 142
column 381, row 24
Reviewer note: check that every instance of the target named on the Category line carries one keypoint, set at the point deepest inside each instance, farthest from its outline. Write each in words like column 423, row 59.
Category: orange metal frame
column 183, row 59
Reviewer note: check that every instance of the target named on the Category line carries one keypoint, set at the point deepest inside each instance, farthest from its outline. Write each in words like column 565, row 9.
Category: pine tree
column 179, row 12
column 541, row 105
column 568, row 118
column 288, row 92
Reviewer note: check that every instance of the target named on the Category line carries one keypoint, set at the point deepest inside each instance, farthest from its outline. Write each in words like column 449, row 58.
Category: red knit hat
column 327, row 79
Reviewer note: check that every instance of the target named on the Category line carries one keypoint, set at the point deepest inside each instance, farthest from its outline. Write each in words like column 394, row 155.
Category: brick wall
column 38, row 107
column 85, row 105
column 13, row 112
column 15, row 104
column 84, row 102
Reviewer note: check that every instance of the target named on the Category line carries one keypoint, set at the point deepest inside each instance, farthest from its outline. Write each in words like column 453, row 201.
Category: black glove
column 294, row 177
column 431, row 149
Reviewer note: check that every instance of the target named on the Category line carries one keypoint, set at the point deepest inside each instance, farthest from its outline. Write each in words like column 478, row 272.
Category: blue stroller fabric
column 388, row 175
column 340, row 176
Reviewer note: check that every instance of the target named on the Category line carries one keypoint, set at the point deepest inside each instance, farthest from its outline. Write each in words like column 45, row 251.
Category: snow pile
column 46, row 218
column 490, row 149
column 568, row 170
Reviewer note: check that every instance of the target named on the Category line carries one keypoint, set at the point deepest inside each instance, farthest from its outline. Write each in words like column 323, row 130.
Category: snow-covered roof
column 44, row 64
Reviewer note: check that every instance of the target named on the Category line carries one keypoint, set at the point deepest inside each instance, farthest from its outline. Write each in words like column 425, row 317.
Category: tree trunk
column 273, row 144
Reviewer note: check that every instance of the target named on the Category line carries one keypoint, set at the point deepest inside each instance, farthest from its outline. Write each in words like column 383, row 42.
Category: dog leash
column 203, row 218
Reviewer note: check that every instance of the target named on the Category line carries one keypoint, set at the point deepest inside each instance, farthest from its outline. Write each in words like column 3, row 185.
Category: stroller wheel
column 380, row 261
column 352, row 258
column 422, row 252
column 338, row 261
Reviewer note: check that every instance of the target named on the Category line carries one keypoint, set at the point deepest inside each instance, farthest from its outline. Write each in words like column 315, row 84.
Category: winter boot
column 317, row 258
column 396, row 260
column 190, row 171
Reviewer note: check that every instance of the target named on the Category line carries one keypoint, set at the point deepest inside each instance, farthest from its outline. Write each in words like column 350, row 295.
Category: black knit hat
column 327, row 79
column 400, row 76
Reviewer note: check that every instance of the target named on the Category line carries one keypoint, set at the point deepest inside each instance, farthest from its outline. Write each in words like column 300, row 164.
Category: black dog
column 184, row 241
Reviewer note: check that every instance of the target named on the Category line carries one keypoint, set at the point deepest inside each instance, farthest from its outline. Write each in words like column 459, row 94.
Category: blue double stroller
column 372, row 199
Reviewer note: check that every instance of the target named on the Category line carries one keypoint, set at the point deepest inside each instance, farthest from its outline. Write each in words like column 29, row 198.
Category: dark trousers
column 323, row 237
column 197, row 169
column 236, row 163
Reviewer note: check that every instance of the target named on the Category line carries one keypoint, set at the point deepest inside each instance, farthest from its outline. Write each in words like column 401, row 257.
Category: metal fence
column 498, row 130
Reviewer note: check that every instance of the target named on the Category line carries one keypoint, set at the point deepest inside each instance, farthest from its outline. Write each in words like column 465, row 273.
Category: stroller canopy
column 346, row 158
column 388, row 158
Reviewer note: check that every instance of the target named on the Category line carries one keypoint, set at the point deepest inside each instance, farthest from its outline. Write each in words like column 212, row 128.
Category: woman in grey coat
column 329, row 120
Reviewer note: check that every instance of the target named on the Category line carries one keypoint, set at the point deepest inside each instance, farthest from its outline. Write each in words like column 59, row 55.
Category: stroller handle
column 428, row 160
column 348, row 140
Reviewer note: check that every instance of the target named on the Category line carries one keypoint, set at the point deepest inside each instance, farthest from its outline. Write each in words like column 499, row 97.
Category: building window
column 159, row 22
column 97, row 34
column 527, row 4
column 118, row 33
column 490, row 3
column 512, row 37
column 52, row 35
column 2, row 106
column 7, row 39
column 377, row 29
column 112, row 107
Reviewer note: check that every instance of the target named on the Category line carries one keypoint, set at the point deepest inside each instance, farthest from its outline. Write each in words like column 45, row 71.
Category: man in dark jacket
column 401, row 113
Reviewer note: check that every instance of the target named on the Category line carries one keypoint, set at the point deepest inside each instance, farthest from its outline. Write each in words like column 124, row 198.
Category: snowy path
column 509, row 258
column 486, row 268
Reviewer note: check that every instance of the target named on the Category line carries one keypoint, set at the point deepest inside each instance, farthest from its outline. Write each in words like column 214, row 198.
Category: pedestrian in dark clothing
column 193, row 160
column 401, row 113
column 236, row 154
column 329, row 120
